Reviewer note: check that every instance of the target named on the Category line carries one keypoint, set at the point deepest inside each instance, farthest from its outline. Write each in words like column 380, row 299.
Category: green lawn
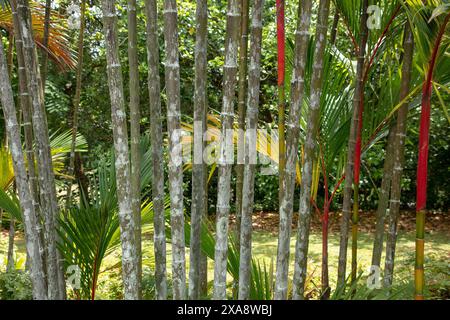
column 265, row 245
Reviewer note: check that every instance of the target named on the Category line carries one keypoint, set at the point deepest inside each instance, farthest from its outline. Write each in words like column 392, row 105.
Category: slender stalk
column 76, row 103
column 47, row 21
column 281, row 38
column 25, row 108
column 122, row 163
column 357, row 155
column 48, row 200
column 242, row 97
column 135, row 134
column 293, row 137
column 198, row 168
column 245, row 260
column 172, row 76
column 226, row 149
column 349, row 175
column 12, row 230
column 157, row 149
column 398, row 155
column 334, row 29
column 383, row 200
column 301, row 249
column 33, row 246
column 422, row 165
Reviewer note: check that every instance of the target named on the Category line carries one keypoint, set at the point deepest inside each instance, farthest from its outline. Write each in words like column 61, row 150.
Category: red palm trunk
column 281, row 93
column 422, row 166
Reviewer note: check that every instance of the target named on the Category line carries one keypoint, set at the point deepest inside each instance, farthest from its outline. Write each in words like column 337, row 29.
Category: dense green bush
column 15, row 285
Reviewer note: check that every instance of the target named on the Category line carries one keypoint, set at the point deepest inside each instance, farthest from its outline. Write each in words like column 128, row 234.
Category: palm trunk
column 44, row 66
column 347, row 203
column 76, row 103
column 122, row 163
column 12, row 230
column 198, row 172
column 245, row 260
column 48, row 200
column 172, row 68
column 398, row 155
column 25, row 107
column 33, row 245
column 325, row 275
column 334, row 29
column 242, row 97
column 203, row 273
column 157, row 149
column 135, row 134
column 281, row 95
column 357, row 155
column 383, row 200
column 422, row 167
column 301, row 250
column 226, row 149
column 293, row 137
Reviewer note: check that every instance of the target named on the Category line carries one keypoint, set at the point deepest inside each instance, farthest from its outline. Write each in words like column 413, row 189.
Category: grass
column 437, row 251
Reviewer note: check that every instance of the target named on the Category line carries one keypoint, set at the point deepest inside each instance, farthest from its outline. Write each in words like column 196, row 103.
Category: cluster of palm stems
column 333, row 116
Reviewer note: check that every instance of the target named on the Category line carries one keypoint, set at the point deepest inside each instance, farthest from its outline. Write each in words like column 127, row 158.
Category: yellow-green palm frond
column 6, row 169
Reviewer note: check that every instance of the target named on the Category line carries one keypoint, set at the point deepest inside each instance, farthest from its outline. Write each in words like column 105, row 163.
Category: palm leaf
column 58, row 40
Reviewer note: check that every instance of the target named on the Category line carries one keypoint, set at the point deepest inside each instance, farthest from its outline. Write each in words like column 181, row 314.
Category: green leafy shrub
column 15, row 285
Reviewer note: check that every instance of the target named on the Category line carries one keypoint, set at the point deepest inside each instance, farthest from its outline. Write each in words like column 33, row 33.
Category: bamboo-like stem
column 198, row 168
column 135, row 134
column 422, row 165
column 334, row 29
column 304, row 221
column 242, row 97
column 245, row 261
column 349, row 174
column 293, row 137
column 10, row 257
column 226, row 150
column 281, row 68
column 383, row 199
column 76, row 103
column 33, row 246
column 172, row 79
column 122, row 163
column 47, row 21
column 398, row 155
column 159, row 236
column 48, row 199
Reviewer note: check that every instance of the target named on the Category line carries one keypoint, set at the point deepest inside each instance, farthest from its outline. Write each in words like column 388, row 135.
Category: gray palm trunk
column 48, row 200
column 25, row 107
column 242, row 96
column 226, row 149
column 10, row 257
column 76, row 102
column 122, row 162
column 198, row 168
column 383, row 200
column 172, row 78
column 245, row 261
column 399, row 155
column 292, row 140
column 33, row 245
column 135, row 133
column 157, row 149
column 301, row 248
column 348, row 184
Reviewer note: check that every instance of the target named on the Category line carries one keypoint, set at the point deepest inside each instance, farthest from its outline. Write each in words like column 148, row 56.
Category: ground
column 437, row 249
